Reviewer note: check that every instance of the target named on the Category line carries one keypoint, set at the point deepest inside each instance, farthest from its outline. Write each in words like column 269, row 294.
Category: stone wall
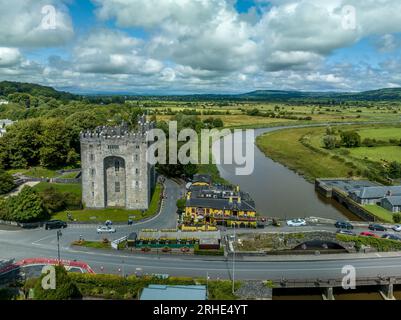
column 115, row 171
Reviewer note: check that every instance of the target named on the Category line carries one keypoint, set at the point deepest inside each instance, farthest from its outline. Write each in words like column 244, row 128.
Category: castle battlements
column 121, row 132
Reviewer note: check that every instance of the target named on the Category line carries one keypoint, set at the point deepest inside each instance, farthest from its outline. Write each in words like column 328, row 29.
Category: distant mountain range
column 391, row 94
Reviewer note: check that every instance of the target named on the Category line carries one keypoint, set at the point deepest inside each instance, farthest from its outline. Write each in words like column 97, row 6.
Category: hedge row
column 382, row 245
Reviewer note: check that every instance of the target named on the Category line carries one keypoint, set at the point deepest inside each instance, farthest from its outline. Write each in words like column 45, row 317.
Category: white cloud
column 205, row 45
column 113, row 52
column 9, row 57
column 24, row 24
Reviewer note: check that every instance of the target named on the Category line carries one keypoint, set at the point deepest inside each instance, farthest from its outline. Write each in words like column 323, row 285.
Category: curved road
column 20, row 244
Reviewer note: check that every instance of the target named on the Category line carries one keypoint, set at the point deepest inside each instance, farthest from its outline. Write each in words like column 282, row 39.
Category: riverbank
column 302, row 150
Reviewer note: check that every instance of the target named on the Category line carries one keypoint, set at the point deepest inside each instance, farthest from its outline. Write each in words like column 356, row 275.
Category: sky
column 201, row 46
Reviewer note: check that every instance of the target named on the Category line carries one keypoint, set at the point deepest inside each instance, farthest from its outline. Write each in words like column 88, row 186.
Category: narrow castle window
column 92, row 157
column 117, row 166
column 137, row 171
column 93, row 172
column 118, row 187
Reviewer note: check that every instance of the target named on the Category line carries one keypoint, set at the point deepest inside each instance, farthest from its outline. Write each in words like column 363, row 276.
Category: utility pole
column 233, row 288
column 59, row 234
column 207, row 284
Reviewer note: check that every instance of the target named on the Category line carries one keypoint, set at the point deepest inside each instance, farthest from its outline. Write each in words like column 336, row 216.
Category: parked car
column 55, row 224
column 344, row 225
column 391, row 237
column 397, row 228
column 296, row 223
column 377, row 227
column 276, row 223
column 346, row 232
column 106, row 229
column 369, row 234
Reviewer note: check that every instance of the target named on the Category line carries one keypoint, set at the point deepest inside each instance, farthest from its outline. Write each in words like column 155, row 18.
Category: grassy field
column 235, row 114
column 116, row 215
column 381, row 133
column 302, row 150
column 67, row 188
column 380, row 212
column 285, row 147
column 378, row 154
column 37, row 172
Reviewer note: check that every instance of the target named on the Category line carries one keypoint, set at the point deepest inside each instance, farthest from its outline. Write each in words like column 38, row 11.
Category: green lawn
column 37, row 172
column 67, row 188
column 381, row 133
column 93, row 244
column 377, row 154
column 380, row 212
column 116, row 215
column 71, row 175
column 285, row 147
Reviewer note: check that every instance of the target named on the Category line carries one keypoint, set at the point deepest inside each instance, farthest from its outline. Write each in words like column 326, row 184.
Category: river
column 278, row 191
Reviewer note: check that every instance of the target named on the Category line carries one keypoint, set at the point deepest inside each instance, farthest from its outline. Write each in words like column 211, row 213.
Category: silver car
column 106, row 229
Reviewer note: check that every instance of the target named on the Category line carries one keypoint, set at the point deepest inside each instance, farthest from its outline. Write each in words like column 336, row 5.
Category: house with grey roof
column 374, row 195
column 392, row 204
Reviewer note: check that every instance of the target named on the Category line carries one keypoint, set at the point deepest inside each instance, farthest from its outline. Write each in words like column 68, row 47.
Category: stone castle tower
column 115, row 170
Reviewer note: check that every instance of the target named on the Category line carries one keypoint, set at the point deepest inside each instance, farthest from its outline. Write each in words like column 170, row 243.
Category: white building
column 3, row 124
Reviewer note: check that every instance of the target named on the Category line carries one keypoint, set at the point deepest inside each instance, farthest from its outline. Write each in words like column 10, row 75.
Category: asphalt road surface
column 20, row 244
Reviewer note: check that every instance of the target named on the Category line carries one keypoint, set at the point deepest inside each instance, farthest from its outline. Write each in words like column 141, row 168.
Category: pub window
column 118, row 187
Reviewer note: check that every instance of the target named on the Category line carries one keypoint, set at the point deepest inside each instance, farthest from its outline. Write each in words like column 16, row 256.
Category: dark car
column 344, row 225
column 377, row 227
column 391, row 237
column 55, row 224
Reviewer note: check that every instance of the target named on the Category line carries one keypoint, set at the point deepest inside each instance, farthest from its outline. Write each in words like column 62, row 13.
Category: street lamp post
column 233, row 288
column 59, row 234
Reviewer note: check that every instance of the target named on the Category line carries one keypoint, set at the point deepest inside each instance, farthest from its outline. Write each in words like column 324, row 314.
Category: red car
column 369, row 234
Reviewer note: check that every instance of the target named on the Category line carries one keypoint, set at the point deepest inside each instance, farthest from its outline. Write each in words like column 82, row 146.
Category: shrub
column 6, row 182
column 66, row 288
column 397, row 217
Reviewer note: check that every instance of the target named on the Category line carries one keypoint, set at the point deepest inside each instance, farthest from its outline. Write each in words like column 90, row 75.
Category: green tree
column 350, row 139
column 66, row 289
column 27, row 206
column 397, row 217
column 394, row 170
column 6, row 182
column 53, row 200
column 330, row 142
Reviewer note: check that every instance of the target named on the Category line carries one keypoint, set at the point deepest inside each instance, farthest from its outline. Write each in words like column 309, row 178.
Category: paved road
column 20, row 244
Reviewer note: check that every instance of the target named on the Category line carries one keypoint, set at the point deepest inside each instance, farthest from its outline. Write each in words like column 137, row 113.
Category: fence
column 115, row 244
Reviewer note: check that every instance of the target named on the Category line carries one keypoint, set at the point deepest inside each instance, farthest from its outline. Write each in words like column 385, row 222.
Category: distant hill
column 274, row 95
column 391, row 94
column 8, row 87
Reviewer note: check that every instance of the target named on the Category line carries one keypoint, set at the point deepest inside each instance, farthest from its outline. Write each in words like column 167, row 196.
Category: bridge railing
column 327, row 283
